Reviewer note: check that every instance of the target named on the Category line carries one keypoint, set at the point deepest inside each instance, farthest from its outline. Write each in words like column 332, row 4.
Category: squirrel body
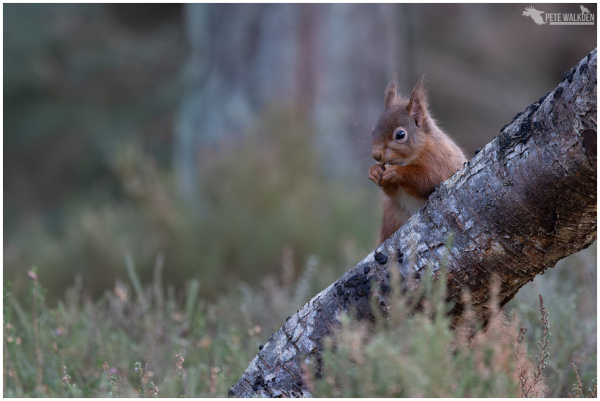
column 413, row 154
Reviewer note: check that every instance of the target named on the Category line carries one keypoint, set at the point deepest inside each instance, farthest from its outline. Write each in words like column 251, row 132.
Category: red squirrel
column 413, row 156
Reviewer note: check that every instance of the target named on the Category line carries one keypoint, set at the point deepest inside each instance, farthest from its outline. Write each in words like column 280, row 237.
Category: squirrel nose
column 377, row 154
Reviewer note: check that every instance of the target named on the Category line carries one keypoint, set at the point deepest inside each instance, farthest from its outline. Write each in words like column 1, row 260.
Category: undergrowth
column 144, row 340
column 412, row 352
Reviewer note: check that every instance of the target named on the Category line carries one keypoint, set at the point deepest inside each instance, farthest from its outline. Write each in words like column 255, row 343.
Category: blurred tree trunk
column 325, row 59
column 527, row 200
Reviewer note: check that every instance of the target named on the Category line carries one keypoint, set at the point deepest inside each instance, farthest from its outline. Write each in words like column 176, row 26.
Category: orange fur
column 408, row 170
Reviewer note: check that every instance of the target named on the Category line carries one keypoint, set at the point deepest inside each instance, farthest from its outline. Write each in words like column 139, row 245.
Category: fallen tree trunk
column 527, row 200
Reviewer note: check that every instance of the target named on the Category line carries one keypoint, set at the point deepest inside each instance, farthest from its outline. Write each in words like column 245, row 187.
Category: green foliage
column 77, row 84
column 139, row 339
column 259, row 194
column 84, row 349
column 151, row 342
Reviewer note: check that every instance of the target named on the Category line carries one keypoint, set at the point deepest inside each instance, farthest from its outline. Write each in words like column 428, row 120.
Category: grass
column 142, row 340
column 125, row 344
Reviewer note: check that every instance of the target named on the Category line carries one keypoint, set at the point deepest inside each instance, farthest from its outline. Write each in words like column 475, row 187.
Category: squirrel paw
column 376, row 173
column 391, row 176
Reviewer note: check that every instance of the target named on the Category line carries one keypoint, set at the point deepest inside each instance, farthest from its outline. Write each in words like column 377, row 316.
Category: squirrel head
column 401, row 132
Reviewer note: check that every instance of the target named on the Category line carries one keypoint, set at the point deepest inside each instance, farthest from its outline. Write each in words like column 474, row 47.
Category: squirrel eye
column 400, row 135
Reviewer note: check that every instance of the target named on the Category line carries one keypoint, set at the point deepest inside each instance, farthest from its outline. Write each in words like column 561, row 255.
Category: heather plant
column 570, row 293
column 142, row 339
column 577, row 391
column 412, row 352
column 128, row 343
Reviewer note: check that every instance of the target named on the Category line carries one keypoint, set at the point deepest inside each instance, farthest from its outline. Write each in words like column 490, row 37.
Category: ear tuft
column 417, row 106
column 390, row 91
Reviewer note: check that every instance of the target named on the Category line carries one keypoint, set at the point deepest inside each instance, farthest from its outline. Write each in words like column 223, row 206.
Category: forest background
column 221, row 152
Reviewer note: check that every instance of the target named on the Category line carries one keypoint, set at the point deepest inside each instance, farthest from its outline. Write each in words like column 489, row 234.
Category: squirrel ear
column 417, row 106
column 390, row 91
